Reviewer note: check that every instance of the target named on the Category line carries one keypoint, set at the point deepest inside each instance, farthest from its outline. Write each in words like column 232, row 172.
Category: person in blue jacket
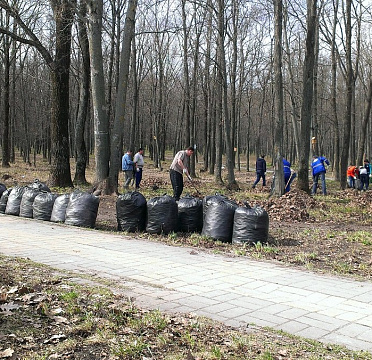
column 127, row 166
column 260, row 171
column 289, row 175
column 319, row 171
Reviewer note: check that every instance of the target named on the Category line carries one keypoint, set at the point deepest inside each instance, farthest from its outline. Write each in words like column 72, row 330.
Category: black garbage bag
column 251, row 225
column 162, row 215
column 14, row 201
column 131, row 212
column 82, row 209
column 4, row 200
column 59, row 208
column 28, row 198
column 219, row 220
column 207, row 200
column 2, row 189
column 190, row 214
column 43, row 206
column 38, row 185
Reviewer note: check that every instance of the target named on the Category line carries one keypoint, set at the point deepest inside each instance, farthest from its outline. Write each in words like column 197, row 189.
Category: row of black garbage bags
column 215, row 216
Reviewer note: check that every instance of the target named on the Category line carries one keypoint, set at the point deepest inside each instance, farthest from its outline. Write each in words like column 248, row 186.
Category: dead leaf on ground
column 7, row 353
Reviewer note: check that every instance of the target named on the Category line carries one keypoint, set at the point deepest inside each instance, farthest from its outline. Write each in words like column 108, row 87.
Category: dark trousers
column 177, row 183
column 364, row 180
column 138, row 177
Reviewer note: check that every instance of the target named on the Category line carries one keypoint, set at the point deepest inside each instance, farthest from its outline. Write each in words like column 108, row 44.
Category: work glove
column 138, row 170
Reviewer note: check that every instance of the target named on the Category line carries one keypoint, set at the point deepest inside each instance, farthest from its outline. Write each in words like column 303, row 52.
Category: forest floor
column 329, row 234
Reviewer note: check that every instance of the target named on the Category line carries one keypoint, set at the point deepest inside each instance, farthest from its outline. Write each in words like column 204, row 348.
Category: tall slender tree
column 307, row 95
column 278, row 81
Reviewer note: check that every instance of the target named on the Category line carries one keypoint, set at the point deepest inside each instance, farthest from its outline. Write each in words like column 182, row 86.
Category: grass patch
column 105, row 325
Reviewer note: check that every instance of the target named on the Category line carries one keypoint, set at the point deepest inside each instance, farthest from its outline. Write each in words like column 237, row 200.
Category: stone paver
column 236, row 291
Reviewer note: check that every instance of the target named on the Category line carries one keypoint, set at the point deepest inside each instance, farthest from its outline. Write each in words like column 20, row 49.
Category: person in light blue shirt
column 319, row 171
column 127, row 167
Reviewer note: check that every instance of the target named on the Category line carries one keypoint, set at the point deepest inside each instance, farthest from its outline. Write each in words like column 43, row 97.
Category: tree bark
column 60, row 174
column 278, row 81
column 307, row 97
column 81, row 154
column 6, row 97
column 101, row 124
column 349, row 98
column 117, row 134
column 363, row 132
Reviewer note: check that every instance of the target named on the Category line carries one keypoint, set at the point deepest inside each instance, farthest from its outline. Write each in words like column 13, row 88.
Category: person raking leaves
column 179, row 167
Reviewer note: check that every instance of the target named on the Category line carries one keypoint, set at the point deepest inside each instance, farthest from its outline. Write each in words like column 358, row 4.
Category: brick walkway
column 236, row 291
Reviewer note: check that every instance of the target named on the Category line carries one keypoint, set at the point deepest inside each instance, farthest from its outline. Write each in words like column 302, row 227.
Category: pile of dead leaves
column 292, row 206
column 360, row 198
column 154, row 182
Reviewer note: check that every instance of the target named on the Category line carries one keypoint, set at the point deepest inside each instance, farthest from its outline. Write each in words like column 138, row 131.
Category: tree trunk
column 278, row 81
column 186, row 76
column 80, row 146
column 223, row 81
column 101, row 124
column 294, row 113
column 60, row 173
column 334, row 96
column 119, row 125
column 6, row 98
column 363, row 132
column 349, row 98
column 307, row 97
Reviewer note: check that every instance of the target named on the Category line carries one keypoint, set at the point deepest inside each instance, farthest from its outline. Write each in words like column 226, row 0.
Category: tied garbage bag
column 251, row 225
column 190, row 214
column 43, row 206
column 59, row 208
column 219, row 219
column 82, row 209
column 38, row 185
column 28, row 198
column 2, row 189
column 162, row 215
column 4, row 200
column 14, row 201
column 131, row 212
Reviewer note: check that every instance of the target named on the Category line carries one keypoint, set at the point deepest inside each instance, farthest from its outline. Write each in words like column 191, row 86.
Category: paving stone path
column 236, row 291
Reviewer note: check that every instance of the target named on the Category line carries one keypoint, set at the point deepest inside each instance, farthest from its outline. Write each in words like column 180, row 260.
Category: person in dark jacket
column 319, row 171
column 364, row 175
column 260, row 171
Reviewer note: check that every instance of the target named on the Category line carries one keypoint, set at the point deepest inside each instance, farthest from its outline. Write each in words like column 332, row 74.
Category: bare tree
column 117, row 134
column 307, row 96
column 6, row 97
column 278, row 81
column 81, row 154
column 349, row 96
column 101, row 124
column 63, row 11
column 366, row 118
